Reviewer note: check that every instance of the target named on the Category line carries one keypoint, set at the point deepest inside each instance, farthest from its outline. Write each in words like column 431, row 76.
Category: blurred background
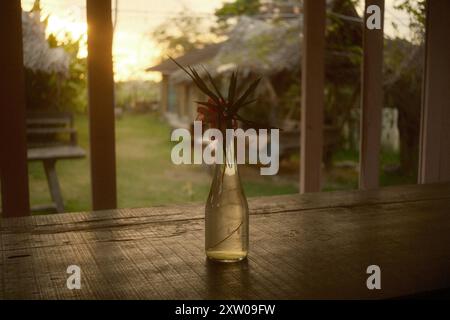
column 260, row 37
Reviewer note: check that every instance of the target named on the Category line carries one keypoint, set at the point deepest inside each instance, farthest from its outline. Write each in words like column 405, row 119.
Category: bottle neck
column 229, row 164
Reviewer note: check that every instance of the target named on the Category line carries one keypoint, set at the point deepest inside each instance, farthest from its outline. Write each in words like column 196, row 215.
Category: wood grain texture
column 56, row 153
column 13, row 148
column 101, row 104
column 434, row 162
column 313, row 74
column 301, row 246
column 371, row 100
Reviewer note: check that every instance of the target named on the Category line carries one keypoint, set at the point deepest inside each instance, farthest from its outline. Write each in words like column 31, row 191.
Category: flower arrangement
column 220, row 112
column 226, row 210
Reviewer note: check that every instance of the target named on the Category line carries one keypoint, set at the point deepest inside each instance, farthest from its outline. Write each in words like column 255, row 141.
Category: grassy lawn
column 347, row 178
column 147, row 177
column 145, row 173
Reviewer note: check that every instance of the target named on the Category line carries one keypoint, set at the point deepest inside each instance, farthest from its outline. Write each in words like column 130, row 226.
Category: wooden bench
column 52, row 137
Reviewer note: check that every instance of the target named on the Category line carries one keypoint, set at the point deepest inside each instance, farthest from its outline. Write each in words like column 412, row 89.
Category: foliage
column 237, row 8
column 342, row 74
column 404, row 71
column 404, row 94
column 136, row 95
column 219, row 111
column 46, row 91
column 416, row 11
column 182, row 34
column 290, row 99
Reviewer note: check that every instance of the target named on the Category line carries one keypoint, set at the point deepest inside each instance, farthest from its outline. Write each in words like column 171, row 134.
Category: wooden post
column 372, row 101
column 313, row 48
column 164, row 99
column 13, row 148
column 181, row 96
column 101, row 104
column 434, row 163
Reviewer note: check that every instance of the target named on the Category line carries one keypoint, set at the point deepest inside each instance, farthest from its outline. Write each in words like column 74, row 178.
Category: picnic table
column 52, row 137
column 316, row 245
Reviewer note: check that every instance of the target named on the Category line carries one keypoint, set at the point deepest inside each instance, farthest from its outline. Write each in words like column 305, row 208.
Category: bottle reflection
column 228, row 280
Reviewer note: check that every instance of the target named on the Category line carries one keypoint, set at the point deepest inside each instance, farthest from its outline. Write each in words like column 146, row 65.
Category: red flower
column 208, row 113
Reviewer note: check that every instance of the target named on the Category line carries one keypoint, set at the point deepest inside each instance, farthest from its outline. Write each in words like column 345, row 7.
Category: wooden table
column 310, row 246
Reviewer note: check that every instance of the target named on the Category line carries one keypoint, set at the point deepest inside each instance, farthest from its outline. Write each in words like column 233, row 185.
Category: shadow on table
column 228, row 280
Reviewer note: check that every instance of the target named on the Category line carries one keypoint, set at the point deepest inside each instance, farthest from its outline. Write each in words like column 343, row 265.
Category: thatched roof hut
column 269, row 47
column 260, row 46
column 37, row 54
column 264, row 47
column 254, row 46
column 193, row 57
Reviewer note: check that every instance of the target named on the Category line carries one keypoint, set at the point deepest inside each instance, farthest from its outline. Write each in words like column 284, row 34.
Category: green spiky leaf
column 232, row 88
column 239, row 102
column 216, row 88
column 218, row 111
column 202, row 86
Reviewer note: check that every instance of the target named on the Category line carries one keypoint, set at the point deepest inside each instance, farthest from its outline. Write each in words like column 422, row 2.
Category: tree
column 182, row 34
column 343, row 54
column 58, row 81
column 342, row 60
column 416, row 11
column 236, row 8
column 404, row 94
column 403, row 83
column 51, row 91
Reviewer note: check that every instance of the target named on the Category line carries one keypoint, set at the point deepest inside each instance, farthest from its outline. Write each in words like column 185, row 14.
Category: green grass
column 340, row 179
column 147, row 177
column 145, row 173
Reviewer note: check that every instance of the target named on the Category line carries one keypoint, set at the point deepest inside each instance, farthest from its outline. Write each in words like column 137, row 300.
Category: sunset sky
column 134, row 49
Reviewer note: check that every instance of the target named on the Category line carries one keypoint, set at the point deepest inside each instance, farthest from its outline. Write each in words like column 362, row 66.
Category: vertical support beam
column 434, row 163
column 372, row 101
column 101, row 104
column 181, row 96
column 313, row 48
column 164, row 100
column 13, row 149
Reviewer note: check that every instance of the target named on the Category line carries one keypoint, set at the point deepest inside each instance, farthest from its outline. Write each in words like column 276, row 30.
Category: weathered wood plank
column 101, row 104
column 274, row 204
column 434, row 161
column 35, row 121
column 371, row 101
column 56, row 153
column 13, row 161
column 313, row 52
column 47, row 131
column 301, row 250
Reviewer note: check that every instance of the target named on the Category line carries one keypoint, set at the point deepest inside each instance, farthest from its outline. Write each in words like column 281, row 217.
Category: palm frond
column 202, row 85
column 228, row 108
column 213, row 84
column 232, row 88
column 239, row 102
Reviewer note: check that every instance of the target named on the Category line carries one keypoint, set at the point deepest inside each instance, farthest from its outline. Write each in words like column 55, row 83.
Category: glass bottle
column 226, row 213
